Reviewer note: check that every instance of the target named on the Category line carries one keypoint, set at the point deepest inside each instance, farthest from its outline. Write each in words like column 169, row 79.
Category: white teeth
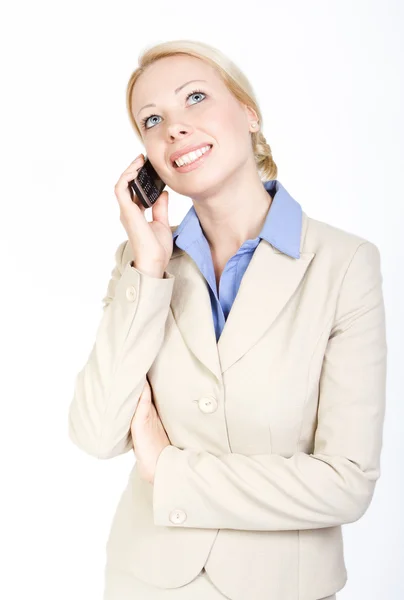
column 191, row 156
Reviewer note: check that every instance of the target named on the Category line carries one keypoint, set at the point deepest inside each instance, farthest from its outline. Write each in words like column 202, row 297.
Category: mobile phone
column 147, row 185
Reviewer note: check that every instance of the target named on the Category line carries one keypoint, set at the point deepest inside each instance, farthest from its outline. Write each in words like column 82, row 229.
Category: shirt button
column 178, row 516
column 207, row 404
column 130, row 293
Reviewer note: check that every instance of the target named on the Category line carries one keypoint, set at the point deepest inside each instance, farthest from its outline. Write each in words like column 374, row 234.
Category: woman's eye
column 195, row 94
column 146, row 119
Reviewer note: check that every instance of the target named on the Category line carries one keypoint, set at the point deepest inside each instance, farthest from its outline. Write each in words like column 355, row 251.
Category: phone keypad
column 151, row 190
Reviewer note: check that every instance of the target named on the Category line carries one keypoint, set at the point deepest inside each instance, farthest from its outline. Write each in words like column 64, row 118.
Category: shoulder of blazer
column 323, row 238
column 124, row 254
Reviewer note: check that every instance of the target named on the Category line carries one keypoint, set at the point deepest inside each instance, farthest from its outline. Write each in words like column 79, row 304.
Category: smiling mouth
column 192, row 161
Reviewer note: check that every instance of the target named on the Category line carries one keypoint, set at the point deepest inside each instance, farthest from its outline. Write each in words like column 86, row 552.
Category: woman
column 262, row 334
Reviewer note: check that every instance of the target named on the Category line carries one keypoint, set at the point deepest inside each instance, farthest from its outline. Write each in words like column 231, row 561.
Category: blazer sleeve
column 127, row 341
column 334, row 484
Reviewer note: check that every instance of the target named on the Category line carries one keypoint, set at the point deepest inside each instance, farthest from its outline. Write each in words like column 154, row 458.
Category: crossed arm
column 334, row 484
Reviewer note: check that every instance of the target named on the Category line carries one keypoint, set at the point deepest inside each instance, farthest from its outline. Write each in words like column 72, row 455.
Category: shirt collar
column 281, row 229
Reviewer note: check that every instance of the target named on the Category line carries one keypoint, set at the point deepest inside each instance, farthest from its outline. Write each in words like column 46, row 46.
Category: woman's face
column 212, row 115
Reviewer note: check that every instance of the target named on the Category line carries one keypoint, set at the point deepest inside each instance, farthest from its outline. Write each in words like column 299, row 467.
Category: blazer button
column 207, row 404
column 177, row 516
column 130, row 293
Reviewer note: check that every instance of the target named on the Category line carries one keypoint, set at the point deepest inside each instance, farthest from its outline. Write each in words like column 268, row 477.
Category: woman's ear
column 252, row 116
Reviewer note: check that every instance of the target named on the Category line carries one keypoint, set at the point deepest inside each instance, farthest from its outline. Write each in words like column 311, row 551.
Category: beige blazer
column 276, row 430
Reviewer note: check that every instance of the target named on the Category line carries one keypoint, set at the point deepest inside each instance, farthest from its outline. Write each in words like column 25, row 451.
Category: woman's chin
column 197, row 185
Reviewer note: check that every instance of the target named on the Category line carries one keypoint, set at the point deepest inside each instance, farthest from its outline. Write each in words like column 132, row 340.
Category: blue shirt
column 282, row 229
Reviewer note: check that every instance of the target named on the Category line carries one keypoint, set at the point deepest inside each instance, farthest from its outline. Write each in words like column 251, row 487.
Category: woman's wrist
column 151, row 271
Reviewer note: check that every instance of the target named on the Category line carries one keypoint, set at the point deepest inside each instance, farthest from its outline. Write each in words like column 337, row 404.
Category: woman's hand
column 151, row 242
column 148, row 435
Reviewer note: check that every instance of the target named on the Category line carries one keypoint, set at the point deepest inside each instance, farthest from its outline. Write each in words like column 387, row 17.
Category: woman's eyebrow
column 175, row 91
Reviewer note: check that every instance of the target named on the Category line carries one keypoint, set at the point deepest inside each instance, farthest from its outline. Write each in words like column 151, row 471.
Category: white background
column 329, row 79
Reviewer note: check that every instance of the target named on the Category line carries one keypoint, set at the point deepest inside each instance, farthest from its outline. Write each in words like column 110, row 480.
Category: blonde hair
column 236, row 82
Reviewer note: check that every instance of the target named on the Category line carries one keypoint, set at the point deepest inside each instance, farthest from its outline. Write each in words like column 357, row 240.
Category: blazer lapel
column 268, row 283
column 192, row 311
